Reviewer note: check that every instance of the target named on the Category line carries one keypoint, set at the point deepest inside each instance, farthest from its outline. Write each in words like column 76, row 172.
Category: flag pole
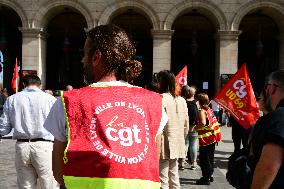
column 16, row 84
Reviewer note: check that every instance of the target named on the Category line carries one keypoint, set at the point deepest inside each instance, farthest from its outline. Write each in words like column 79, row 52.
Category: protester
column 113, row 128
column 215, row 108
column 242, row 162
column 26, row 112
column 268, row 147
column 191, row 141
column 240, row 135
column 3, row 98
column 173, row 137
column 209, row 134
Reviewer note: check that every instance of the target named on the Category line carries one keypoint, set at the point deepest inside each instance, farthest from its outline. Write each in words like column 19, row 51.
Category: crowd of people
column 103, row 135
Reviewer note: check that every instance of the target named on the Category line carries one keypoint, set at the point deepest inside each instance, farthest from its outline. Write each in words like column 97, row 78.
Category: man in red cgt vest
column 107, row 134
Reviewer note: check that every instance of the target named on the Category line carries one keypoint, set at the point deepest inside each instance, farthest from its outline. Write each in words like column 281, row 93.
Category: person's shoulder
column 146, row 91
column 277, row 115
column 181, row 99
column 191, row 102
column 77, row 92
column 45, row 95
column 275, row 121
column 166, row 95
column 17, row 95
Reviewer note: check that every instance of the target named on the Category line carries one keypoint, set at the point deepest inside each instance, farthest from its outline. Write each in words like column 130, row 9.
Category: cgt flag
column 237, row 97
column 181, row 80
column 15, row 79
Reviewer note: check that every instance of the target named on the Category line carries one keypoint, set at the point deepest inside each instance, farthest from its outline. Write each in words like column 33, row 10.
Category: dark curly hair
column 117, row 51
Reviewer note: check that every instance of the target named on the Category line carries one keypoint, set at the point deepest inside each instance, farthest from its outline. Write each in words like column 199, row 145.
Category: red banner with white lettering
column 15, row 79
column 237, row 97
column 181, row 80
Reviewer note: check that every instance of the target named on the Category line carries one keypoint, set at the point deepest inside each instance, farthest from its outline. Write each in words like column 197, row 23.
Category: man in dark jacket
column 269, row 170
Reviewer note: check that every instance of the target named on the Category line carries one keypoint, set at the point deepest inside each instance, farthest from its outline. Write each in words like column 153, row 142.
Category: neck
column 33, row 86
column 107, row 78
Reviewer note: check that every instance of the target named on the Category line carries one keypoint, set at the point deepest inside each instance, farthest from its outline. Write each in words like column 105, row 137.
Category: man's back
column 27, row 111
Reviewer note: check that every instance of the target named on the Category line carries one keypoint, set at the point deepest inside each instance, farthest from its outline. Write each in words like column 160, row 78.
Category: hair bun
column 133, row 69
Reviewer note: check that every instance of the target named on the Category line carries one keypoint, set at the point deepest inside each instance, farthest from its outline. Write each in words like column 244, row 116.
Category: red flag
column 15, row 79
column 181, row 80
column 237, row 97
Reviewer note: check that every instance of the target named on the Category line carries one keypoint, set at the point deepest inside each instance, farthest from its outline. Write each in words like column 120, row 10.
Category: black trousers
column 206, row 160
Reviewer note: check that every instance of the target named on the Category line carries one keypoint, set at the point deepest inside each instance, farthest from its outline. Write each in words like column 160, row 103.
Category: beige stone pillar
column 281, row 51
column 161, row 49
column 34, row 51
column 226, row 54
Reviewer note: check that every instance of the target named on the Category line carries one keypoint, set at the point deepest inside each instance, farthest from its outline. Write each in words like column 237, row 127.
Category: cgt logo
column 125, row 135
column 119, row 132
column 182, row 80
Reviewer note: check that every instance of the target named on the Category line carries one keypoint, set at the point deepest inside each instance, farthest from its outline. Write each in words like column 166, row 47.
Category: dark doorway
column 139, row 30
column 10, row 43
column 193, row 45
column 258, row 47
column 65, row 43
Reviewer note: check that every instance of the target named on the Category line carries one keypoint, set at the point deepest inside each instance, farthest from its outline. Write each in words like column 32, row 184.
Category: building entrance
column 193, row 45
column 10, row 44
column 258, row 47
column 65, row 43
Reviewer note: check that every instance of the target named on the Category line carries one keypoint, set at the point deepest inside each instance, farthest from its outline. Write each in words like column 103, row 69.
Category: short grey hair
column 278, row 78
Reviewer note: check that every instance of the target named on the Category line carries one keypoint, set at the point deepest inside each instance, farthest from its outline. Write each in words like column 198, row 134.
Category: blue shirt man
column 26, row 113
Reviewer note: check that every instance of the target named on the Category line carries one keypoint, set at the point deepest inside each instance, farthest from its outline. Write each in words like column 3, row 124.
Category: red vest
column 211, row 133
column 111, row 140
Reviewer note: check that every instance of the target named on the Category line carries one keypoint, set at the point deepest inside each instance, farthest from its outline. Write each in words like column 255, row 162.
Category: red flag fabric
column 181, row 80
column 237, row 97
column 15, row 79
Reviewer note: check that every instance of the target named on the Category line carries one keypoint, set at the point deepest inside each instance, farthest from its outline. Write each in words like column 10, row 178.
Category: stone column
column 161, row 49
column 281, row 51
column 226, row 54
column 34, row 51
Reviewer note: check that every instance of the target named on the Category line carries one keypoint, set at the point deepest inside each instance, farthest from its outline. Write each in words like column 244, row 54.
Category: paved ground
column 223, row 151
column 187, row 176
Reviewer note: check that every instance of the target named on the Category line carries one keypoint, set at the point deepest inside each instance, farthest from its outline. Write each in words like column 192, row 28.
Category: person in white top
column 26, row 112
column 215, row 108
column 175, row 132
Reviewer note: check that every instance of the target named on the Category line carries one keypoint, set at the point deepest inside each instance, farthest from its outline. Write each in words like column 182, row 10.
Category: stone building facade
column 164, row 18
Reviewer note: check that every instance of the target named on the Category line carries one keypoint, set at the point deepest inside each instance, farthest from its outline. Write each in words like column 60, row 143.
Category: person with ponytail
column 107, row 135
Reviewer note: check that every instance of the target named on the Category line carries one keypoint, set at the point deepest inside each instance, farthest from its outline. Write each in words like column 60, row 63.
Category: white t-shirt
column 215, row 106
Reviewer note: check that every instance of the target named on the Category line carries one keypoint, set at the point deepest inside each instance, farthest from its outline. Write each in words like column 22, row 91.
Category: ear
column 97, row 57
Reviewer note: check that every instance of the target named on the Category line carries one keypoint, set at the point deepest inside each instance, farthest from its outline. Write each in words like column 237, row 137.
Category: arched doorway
column 193, row 45
column 10, row 43
column 65, row 42
column 138, row 28
column 258, row 47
